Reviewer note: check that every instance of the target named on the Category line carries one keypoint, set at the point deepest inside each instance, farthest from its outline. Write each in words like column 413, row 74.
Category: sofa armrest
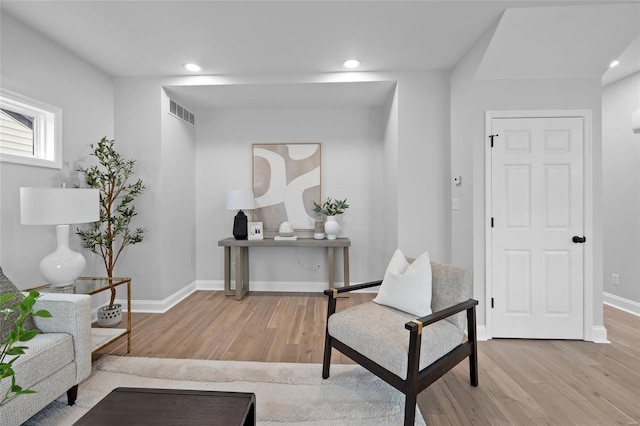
column 70, row 313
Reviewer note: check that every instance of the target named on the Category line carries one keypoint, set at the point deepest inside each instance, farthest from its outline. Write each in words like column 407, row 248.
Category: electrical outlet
column 615, row 279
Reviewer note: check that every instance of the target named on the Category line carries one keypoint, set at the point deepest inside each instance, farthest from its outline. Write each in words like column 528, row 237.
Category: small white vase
column 331, row 227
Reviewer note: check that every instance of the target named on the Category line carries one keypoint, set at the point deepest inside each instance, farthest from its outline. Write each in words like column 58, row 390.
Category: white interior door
column 537, row 207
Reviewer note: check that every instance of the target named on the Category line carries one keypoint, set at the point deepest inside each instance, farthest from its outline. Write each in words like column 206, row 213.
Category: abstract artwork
column 286, row 182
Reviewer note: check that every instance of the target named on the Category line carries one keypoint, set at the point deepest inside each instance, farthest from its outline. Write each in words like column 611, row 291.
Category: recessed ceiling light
column 351, row 63
column 193, row 67
column 614, row 63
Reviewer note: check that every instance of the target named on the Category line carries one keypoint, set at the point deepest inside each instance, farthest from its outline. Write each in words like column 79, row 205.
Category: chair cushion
column 378, row 333
column 47, row 353
column 405, row 286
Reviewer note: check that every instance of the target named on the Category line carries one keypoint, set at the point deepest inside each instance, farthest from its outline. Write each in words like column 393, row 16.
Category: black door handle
column 577, row 239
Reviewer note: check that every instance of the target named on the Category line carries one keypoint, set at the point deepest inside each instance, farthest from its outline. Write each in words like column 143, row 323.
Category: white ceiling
column 279, row 38
column 298, row 95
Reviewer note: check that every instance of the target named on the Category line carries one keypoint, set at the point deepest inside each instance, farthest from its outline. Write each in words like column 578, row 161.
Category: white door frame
column 588, row 208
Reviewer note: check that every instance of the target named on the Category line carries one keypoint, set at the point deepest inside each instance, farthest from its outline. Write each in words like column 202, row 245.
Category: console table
column 242, row 259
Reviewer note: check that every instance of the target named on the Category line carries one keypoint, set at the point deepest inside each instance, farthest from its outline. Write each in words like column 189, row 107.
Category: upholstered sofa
column 57, row 360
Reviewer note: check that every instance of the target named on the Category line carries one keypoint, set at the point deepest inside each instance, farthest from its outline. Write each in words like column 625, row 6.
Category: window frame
column 47, row 130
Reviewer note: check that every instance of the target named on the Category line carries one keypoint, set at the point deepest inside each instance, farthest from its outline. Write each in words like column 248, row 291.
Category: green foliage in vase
column 112, row 233
column 13, row 345
column 331, row 207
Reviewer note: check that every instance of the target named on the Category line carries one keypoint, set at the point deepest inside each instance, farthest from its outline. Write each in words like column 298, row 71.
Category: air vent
column 181, row 112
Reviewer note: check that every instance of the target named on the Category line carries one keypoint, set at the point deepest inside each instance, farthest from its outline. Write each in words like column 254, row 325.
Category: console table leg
column 239, row 268
column 245, row 271
column 345, row 261
column 332, row 262
column 227, row 272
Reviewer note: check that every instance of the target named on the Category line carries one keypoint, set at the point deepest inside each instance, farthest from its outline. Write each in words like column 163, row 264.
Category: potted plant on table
column 331, row 208
column 111, row 234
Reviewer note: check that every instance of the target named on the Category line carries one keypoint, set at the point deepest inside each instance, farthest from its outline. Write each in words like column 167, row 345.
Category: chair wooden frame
column 417, row 380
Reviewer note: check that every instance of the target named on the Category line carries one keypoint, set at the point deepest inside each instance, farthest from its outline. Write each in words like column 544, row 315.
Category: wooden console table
column 242, row 259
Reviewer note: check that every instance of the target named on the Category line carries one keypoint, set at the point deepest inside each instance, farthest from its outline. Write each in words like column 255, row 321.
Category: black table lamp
column 238, row 199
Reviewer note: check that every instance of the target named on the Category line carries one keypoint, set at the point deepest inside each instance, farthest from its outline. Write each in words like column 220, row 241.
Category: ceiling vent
column 181, row 112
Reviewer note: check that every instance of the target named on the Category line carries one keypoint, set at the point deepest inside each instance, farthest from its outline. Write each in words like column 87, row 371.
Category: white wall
column 621, row 188
column 352, row 161
column 164, row 149
column 470, row 99
column 412, row 128
column 178, row 201
column 391, row 163
column 32, row 65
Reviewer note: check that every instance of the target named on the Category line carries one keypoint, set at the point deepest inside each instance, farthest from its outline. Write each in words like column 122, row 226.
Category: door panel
column 537, row 207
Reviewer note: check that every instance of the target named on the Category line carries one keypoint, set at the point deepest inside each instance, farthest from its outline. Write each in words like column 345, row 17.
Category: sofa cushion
column 6, row 287
column 378, row 332
column 47, row 353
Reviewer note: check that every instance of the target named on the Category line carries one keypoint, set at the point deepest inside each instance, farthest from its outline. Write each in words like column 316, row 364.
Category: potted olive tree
column 111, row 234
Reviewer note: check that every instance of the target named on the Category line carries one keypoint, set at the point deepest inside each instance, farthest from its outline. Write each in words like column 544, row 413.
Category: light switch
column 455, row 204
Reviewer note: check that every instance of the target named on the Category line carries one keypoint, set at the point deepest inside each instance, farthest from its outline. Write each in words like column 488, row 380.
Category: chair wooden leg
column 473, row 357
column 326, row 362
column 410, row 408
column 72, row 394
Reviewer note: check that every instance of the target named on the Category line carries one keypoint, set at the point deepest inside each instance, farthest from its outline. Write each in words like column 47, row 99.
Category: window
column 30, row 131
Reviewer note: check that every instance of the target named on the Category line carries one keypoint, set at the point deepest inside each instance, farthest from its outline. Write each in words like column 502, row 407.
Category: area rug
column 285, row 393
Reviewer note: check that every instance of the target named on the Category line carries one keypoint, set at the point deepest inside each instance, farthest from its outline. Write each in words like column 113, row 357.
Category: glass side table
column 100, row 337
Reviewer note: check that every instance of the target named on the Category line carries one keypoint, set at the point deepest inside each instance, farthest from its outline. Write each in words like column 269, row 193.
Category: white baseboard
column 630, row 306
column 162, row 306
column 599, row 334
column 159, row 306
column 481, row 333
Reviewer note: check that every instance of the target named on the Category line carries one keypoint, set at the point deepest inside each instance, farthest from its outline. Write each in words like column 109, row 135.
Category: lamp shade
column 58, row 206
column 239, row 199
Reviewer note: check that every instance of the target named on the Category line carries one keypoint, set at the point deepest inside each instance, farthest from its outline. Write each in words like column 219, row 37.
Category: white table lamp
column 60, row 207
column 239, row 199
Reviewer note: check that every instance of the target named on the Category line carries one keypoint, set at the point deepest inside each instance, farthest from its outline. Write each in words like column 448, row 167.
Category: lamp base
column 240, row 226
column 62, row 267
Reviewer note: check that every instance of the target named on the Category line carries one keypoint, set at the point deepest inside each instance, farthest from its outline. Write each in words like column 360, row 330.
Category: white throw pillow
column 405, row 286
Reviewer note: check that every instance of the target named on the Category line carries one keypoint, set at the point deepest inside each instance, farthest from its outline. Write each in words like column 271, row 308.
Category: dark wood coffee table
column 144, row 406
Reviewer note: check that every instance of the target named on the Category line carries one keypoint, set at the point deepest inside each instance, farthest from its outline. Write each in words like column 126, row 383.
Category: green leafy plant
column 12, row 345
column 111, row 234
column 331, row 207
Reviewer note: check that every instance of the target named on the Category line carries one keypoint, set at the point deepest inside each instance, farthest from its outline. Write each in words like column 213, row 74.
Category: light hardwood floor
column 522, row 382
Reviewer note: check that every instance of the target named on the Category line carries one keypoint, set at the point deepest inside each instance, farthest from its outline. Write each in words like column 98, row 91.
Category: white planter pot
column 331, row 227
column 110, row 317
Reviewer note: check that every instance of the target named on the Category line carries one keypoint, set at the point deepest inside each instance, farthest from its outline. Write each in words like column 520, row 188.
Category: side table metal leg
column 129, row 316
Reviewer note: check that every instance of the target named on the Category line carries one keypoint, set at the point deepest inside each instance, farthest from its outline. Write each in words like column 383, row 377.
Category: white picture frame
column 255, row 231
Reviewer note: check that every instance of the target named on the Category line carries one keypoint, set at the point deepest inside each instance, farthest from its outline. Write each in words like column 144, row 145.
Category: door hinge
column 491, row 137
column 492, row 222
column 492, row 303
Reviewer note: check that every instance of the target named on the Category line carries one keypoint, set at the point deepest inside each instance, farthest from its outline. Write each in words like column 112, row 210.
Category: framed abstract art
column 286, row 182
